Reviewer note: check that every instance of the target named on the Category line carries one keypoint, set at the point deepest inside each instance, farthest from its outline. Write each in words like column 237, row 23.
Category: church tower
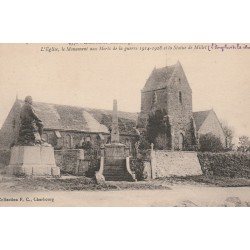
column 167, row 90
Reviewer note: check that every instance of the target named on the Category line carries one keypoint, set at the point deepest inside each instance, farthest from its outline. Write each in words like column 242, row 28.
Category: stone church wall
column 10, row 129
column 180, row 108
column 147, row 100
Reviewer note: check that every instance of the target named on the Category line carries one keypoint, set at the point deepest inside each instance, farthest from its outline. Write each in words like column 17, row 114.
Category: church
column 166, row 92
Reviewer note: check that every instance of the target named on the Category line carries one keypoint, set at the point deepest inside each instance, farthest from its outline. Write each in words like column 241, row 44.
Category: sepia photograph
column 125, row 125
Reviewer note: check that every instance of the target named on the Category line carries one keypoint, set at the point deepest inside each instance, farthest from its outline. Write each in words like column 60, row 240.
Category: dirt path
column 180, row 195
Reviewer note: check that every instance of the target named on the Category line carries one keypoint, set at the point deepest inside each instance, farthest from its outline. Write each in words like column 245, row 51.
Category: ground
column 174, row 191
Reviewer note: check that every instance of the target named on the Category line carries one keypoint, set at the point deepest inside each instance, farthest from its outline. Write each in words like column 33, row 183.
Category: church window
column 180, row 97
column 14, row 123
column 180, row 80
column 154, row 100
column 68, row 141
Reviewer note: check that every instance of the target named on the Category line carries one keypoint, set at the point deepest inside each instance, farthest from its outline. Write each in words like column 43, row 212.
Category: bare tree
column 244, row 143
column 229, row 134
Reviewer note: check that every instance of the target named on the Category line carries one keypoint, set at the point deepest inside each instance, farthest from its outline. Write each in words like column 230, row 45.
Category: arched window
column 181, row 141
column 68, row 141
column 13, row 123
column 154, row 100
column 180, row 97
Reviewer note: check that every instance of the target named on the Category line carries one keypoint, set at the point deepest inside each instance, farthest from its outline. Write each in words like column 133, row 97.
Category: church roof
column 159, row 78
column 64, row 117
column 200, row 117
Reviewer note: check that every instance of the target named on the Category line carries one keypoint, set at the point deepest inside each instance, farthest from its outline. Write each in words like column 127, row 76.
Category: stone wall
column 72, row 139
column 4, row 159
column 180, row 110
column 175, row 163
column 147, row 100
column 71, row 161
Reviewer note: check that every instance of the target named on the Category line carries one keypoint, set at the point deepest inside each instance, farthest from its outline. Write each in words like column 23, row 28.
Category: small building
column 68, row 127
column 208, row 122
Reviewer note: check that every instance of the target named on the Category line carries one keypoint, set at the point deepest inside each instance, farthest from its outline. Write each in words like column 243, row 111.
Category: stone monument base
column 32, row 161
column 116, row 163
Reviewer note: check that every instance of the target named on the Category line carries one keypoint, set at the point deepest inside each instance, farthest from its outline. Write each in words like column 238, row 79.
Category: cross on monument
column 115, row 130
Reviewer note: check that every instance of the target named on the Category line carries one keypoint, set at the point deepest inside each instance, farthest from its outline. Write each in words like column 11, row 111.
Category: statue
column 31, row 127
column 28, row 159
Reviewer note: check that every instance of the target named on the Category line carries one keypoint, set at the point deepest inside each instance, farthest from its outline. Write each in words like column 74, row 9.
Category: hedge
column 228, row 164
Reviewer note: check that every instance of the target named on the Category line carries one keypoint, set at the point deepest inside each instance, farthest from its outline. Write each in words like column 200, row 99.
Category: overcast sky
column 219, row 80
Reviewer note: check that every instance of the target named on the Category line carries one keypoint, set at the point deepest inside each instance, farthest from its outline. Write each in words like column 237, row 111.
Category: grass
column 217, row 181
column 71, row 184
column 82, row 183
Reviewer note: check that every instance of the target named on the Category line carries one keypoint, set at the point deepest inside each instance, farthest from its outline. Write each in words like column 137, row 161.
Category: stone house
column 68, row 127
column 208, row 122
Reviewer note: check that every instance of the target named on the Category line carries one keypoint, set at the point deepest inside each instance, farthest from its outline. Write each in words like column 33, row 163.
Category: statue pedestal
column 32, row 161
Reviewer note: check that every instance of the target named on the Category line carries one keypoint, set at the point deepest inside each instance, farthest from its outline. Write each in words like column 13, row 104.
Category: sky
column 219, row 79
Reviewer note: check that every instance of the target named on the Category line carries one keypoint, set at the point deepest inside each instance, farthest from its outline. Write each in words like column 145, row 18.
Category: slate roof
column 159, row 78
column 64, row 117
column 200, row 117
column 126, row 126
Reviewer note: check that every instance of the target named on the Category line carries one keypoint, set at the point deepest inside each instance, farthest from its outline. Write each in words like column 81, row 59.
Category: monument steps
column 114, row 164
column 116, row 173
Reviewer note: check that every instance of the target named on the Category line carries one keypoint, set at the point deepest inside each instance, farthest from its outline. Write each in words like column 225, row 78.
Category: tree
column 244, row 143
column 157, row 129
column 229, row 134
column 211, row 143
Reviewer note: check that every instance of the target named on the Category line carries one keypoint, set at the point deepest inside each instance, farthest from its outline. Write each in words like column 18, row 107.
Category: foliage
column 229, row 133
column 157, row 127
column 244, row 144
column 210, row 143
column 94, row 161
column 143, row 143
column 137, row 166
column 161, row 142
column 227, row 164
column 94, row 165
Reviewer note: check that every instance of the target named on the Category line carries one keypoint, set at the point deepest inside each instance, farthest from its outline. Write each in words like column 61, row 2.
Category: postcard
column 125, row 125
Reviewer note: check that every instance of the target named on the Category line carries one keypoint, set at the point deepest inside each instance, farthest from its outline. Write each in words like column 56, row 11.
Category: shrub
column 144, row 143
column 137, row 166
column 228, row 164
column 210, row 143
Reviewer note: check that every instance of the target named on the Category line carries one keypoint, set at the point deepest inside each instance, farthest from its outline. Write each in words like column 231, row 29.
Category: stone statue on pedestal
column 31, row 156
column 31, row 127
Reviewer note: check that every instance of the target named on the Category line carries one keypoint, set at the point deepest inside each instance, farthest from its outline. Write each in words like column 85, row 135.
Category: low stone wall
column 4, row 159
column 174, row 163
column 228, row 164
column 71, row 161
